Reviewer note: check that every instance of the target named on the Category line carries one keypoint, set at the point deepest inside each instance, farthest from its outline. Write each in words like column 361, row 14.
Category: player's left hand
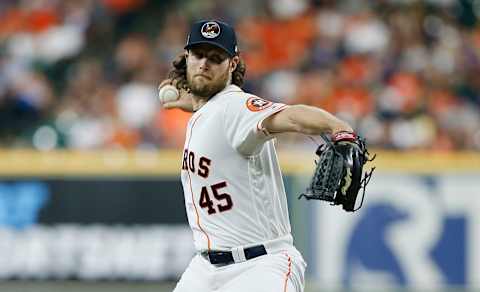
column 338, row 174
column 184, row 102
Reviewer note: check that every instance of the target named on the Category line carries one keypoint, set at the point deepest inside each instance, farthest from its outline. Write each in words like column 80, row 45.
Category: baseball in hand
column 168, row 93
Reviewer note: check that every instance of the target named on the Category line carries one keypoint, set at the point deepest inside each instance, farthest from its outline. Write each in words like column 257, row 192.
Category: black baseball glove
column 338, row 176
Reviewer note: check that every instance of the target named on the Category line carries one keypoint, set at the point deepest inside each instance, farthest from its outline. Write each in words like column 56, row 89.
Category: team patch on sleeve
column 256, row 104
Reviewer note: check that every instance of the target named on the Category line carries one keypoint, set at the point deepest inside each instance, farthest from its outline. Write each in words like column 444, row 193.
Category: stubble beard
column 208, row 89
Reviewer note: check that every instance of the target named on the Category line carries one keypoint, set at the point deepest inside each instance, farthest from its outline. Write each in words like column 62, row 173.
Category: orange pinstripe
column 191, row 190
column 287, row 275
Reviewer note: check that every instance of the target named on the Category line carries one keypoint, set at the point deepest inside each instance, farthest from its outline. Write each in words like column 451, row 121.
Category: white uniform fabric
column 281, row 271
column 234, row 192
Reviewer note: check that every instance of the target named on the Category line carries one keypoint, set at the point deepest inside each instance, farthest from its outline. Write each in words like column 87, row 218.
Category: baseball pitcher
column 234, row 194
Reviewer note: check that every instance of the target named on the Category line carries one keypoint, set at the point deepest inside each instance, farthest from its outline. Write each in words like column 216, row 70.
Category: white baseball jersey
column 234, row 192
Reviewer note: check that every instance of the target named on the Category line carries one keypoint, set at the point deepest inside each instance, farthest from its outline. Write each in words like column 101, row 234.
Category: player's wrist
column 344, row 135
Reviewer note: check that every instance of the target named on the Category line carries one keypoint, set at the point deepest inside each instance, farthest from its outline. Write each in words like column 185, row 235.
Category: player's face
column 208, row 69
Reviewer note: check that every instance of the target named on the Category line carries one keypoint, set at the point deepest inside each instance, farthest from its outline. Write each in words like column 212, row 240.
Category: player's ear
column 234, row 63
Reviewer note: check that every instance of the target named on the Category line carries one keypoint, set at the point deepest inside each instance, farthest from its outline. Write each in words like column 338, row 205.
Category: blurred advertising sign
column 95, row 252
column 416, row 231
column 93, row 229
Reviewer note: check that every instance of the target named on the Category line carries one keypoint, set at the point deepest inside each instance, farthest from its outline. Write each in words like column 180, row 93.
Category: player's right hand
column 184, row 102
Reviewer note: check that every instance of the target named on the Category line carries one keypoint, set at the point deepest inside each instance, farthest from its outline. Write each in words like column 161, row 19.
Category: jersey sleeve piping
column 262, row 129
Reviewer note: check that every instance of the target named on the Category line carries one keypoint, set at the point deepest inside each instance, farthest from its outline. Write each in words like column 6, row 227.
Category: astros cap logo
column 256, row 104
column 210, row 30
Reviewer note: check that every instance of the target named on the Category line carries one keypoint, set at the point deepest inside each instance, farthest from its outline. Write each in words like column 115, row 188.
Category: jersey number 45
column 223, row 201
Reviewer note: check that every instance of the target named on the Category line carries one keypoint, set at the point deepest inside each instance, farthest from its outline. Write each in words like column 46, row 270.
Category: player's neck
column 198, row 102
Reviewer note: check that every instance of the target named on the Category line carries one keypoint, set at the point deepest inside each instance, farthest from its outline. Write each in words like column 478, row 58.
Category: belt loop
column 238, row 254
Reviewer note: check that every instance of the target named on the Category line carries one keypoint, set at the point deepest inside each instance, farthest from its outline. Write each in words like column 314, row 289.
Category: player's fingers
column 164, row 82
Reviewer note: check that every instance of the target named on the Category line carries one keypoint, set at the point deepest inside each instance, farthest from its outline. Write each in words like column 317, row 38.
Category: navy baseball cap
column 213, row 32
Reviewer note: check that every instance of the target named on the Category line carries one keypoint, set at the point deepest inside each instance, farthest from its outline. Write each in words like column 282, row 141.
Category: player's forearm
column 307, row 120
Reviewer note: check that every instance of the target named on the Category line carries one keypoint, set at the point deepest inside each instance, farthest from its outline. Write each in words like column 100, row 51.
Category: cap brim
column 210, row 43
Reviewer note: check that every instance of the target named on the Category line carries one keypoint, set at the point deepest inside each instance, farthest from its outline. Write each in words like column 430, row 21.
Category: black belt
column 226, row 257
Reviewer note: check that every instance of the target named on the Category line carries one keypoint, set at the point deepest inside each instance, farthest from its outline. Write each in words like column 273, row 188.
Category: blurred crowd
column 83, row 74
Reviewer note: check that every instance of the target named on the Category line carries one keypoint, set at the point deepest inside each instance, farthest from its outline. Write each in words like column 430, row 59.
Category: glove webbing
column 320, row 190
column 331, row 162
